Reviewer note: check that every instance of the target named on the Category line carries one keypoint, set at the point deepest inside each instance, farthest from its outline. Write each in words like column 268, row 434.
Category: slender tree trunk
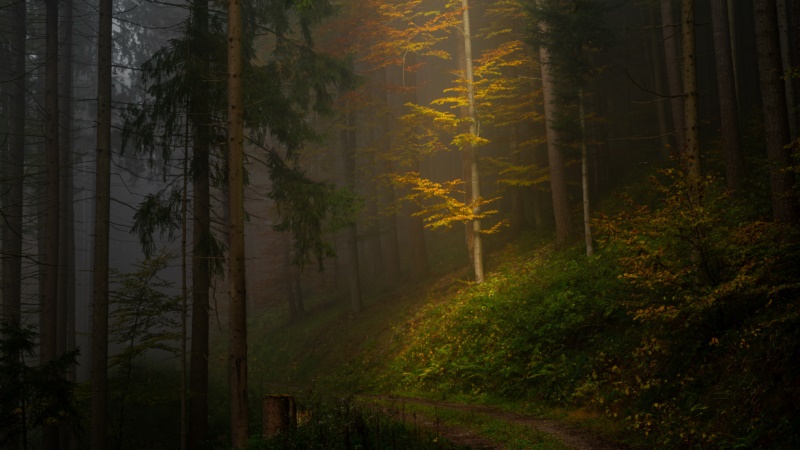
column 786, row 61
column 670, row 33
column 236, row 266
column 658, row 80
column 184, row 291
column 691, row 151
column 14, row 177
column 729, row 109
column 99, row 374
column 776, row 123
column 49, row 296
column 66, row 283
column 558, row 179
column 475, row 190
column 587, row 228
column 466, row 161
column 12, row 170
column 197, row 436
column 732, row 31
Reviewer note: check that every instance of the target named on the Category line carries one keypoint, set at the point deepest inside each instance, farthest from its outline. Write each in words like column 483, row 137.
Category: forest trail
column 571, row 437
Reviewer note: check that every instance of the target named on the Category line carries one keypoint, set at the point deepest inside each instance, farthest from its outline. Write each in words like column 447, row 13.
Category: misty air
column 399, row 224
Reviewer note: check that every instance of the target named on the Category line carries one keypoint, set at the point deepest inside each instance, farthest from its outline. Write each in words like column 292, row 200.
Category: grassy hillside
column 682, row 331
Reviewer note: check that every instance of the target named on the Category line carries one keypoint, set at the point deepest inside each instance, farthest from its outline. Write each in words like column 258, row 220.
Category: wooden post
column 280, row 414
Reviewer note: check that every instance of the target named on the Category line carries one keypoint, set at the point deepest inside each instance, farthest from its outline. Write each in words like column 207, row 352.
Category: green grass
column 509, row 435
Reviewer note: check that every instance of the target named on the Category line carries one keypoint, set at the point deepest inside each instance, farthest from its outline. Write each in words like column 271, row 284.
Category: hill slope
column 664, row 363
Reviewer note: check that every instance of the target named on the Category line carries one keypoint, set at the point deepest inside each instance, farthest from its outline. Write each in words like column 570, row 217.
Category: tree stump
column 280, row 414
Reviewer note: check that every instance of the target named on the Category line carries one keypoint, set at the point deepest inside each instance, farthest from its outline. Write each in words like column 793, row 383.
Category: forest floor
column 468, row 436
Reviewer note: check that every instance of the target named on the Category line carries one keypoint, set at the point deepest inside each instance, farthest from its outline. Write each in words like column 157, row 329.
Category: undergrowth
column 341, row 423
column 684, row 328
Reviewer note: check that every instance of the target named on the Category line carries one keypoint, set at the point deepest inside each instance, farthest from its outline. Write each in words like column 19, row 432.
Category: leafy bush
column 684, row 327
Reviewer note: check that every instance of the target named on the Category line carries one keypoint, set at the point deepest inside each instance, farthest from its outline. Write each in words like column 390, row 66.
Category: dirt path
column 571, row 437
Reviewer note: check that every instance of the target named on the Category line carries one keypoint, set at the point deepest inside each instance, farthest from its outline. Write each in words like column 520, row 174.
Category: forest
column 580, row 211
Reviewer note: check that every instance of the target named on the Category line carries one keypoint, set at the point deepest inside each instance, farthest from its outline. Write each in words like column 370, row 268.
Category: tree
column 670, row 34
column 12, row 198
column 728, row 107
column 785, row 206
column 690, row 156
column 476, row 254
column 201, row 230
column 237, row 359
column 567, row 33
column 99, row 375
column 558, row 181
column 44, row 397
column 49, row 296
column 144, row 318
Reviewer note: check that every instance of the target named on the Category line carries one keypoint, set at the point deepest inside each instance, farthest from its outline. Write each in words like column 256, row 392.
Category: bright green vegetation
column 682, row 331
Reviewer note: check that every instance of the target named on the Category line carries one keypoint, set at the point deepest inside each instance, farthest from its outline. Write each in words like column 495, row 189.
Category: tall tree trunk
column 786, row 61
column 691, row 151
column 729, row 109
column 558, row 179
column 475, row 191
column 236, row 266
column 658, row 80
column 184, row 291
column 670, row 33
column 14, row 178
column 99, row 374
column 66, row 273
column 201, row 233
column 49, row 297
column 776, row 123
column 587, row 228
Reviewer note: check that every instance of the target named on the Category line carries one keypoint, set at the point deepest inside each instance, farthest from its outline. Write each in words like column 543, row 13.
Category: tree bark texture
column 558, row 179
column 690, row 157
column 728, row 107
column 12, row 172
column 49, row 296
column 776, row 119
column 66, row 271
column 99, row 375
column 587, row 227
column 474, row 179
column 236, row 266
